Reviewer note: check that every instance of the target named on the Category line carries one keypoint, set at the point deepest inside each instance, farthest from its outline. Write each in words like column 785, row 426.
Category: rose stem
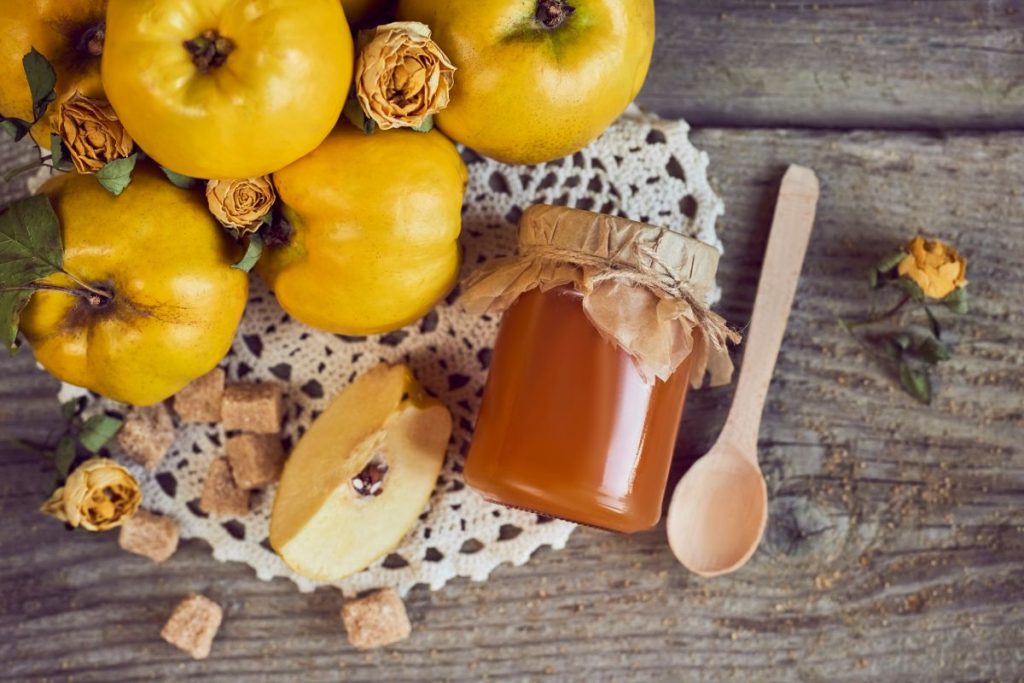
column 25, row 168
column 871, row 321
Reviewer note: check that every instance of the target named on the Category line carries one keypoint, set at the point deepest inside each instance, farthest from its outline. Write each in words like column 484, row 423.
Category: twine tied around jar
column 644, row 287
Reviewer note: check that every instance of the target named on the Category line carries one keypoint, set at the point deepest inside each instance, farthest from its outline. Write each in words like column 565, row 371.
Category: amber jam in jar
column 568, row 426
column 604, row 328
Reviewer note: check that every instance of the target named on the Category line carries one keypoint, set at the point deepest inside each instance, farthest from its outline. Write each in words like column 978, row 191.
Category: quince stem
column 209, row 50
column 95, row 297
column 92, row 38
column 552, row 13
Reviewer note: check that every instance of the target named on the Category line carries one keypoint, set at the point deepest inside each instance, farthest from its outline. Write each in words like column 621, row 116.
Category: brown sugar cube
column 193, row 625
column 147, row 435
column 253, row 408
column 200, row 401
column 377, row 620
column 149, row 535
column 220, row 494
column 256, row 459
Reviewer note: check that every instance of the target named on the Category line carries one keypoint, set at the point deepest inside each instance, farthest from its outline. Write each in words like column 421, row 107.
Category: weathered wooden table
column 896, row 544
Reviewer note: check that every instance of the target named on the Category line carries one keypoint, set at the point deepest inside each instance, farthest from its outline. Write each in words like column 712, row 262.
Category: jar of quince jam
column 605, row 327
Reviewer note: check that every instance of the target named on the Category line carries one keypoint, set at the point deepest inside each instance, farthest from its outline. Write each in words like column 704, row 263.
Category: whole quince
column 372, row 229
column 154, row 303
column 69, row 33
column 537, row 79
column 227, row 89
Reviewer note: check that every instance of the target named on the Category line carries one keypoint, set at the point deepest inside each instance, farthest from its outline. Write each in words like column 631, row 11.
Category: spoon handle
column 783, row 261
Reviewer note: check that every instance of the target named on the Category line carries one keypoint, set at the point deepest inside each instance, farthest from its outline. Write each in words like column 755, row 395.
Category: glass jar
column 604, row 330
column 568, row 426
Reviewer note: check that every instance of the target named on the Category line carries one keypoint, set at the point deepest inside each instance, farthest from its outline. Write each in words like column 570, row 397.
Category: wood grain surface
column 876, row 63
column 895, row 547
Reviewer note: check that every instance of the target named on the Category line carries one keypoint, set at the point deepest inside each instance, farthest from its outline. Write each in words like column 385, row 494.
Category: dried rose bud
column 241, row 204
column 936, row 267
column 402, row 76
column 91, row 132
column 98, row 495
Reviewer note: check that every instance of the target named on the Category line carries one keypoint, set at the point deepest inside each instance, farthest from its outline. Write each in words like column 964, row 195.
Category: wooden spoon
column 720, row 506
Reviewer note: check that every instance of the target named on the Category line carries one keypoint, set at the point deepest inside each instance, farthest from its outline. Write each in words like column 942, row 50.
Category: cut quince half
column 359, row 478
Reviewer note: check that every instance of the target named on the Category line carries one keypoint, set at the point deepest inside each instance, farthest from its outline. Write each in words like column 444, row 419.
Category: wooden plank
column 895, row 549
column 27, row 407
column 833, row 64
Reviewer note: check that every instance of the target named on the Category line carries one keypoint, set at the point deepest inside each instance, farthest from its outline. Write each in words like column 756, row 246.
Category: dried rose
column 91, row 132
column 241, row 204
column 98, row 495
column 402, row 76
column 937, row 268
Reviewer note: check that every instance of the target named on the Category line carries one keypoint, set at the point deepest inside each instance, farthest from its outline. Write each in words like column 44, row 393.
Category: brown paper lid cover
column 644, row 287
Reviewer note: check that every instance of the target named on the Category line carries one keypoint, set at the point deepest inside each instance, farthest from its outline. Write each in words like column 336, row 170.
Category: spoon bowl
column 718, row 512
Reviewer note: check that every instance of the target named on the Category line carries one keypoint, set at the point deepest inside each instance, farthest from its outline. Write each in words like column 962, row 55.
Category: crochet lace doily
column 643, row 167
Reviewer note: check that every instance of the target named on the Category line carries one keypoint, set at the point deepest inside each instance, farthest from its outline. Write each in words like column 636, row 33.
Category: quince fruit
column 537, row 79
column 227, row 89
column 155, row 302
column 373, row 223
column 358, row 480
column 69, row 33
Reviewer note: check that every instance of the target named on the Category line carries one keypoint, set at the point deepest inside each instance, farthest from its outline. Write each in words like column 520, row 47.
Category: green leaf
column 932, row 350
column 30, row 242
column 252, row 253
column 426, row 126
column 890, row 261
column 97, row 431
column 12, row 303
column 69, row 409
column 957, row 301
column 117, row 174
column 16, row 128
column 933, row 322
column 910, row 287
column 896, row 344
column 58, row 156
column 64, row 455
column 179, row 180
column 893, row 349
column 353, row 111
column 916, row 383
column 41, row 81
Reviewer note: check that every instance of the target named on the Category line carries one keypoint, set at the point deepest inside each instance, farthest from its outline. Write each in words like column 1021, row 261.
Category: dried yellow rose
column 402, row 76
column 91, row 132
column 98, row 495
column 241, row 204
column 937, row 268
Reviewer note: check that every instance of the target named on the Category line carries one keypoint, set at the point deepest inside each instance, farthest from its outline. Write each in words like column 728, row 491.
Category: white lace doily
column 643, row 168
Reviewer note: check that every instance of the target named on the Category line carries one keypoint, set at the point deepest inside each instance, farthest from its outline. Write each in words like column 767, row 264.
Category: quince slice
column 358, row 480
